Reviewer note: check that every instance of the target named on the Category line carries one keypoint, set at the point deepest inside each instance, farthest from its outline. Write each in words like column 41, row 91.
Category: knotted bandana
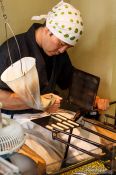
column 64, row 21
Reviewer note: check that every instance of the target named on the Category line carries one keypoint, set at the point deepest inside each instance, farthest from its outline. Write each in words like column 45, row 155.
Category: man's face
column 52, row 45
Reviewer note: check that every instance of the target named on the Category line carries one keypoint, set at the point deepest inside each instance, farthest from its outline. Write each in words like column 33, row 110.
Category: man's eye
column 62, row 44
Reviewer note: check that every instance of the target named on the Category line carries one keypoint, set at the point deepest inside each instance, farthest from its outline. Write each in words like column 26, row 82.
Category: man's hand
column 51, row 102
column 101, row 104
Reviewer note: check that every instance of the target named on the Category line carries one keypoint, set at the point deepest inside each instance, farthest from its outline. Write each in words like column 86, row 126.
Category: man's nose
column 62, row 49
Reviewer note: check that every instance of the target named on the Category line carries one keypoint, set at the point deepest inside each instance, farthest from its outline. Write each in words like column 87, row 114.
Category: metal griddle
column 81, row 98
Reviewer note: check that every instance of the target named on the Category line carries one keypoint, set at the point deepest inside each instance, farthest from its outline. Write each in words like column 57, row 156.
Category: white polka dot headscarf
column 65, row 22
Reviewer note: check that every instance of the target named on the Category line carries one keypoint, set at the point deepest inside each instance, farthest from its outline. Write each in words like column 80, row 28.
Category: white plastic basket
column 12, row 136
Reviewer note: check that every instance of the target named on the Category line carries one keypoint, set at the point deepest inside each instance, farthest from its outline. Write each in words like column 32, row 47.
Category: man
column 47, row 44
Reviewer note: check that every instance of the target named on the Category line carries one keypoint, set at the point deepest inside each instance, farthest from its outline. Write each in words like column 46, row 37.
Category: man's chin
column 52, row 53
column 49, row 53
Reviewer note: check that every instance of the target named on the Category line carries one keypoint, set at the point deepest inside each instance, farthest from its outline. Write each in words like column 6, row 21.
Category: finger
column 57, row 96
column 57, row 101
column 52, row 110
column 103, row 104
column 57, row 105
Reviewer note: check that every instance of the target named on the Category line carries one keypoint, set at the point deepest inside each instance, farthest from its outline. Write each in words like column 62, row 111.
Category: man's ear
column 46, row 29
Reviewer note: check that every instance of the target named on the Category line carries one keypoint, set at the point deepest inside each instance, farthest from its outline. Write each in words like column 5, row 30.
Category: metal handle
column 6, row 35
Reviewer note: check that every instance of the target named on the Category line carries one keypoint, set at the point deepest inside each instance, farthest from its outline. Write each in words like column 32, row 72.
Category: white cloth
column 64, row 21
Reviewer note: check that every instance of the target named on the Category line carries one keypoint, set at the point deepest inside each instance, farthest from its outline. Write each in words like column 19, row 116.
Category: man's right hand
column 51, row 102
